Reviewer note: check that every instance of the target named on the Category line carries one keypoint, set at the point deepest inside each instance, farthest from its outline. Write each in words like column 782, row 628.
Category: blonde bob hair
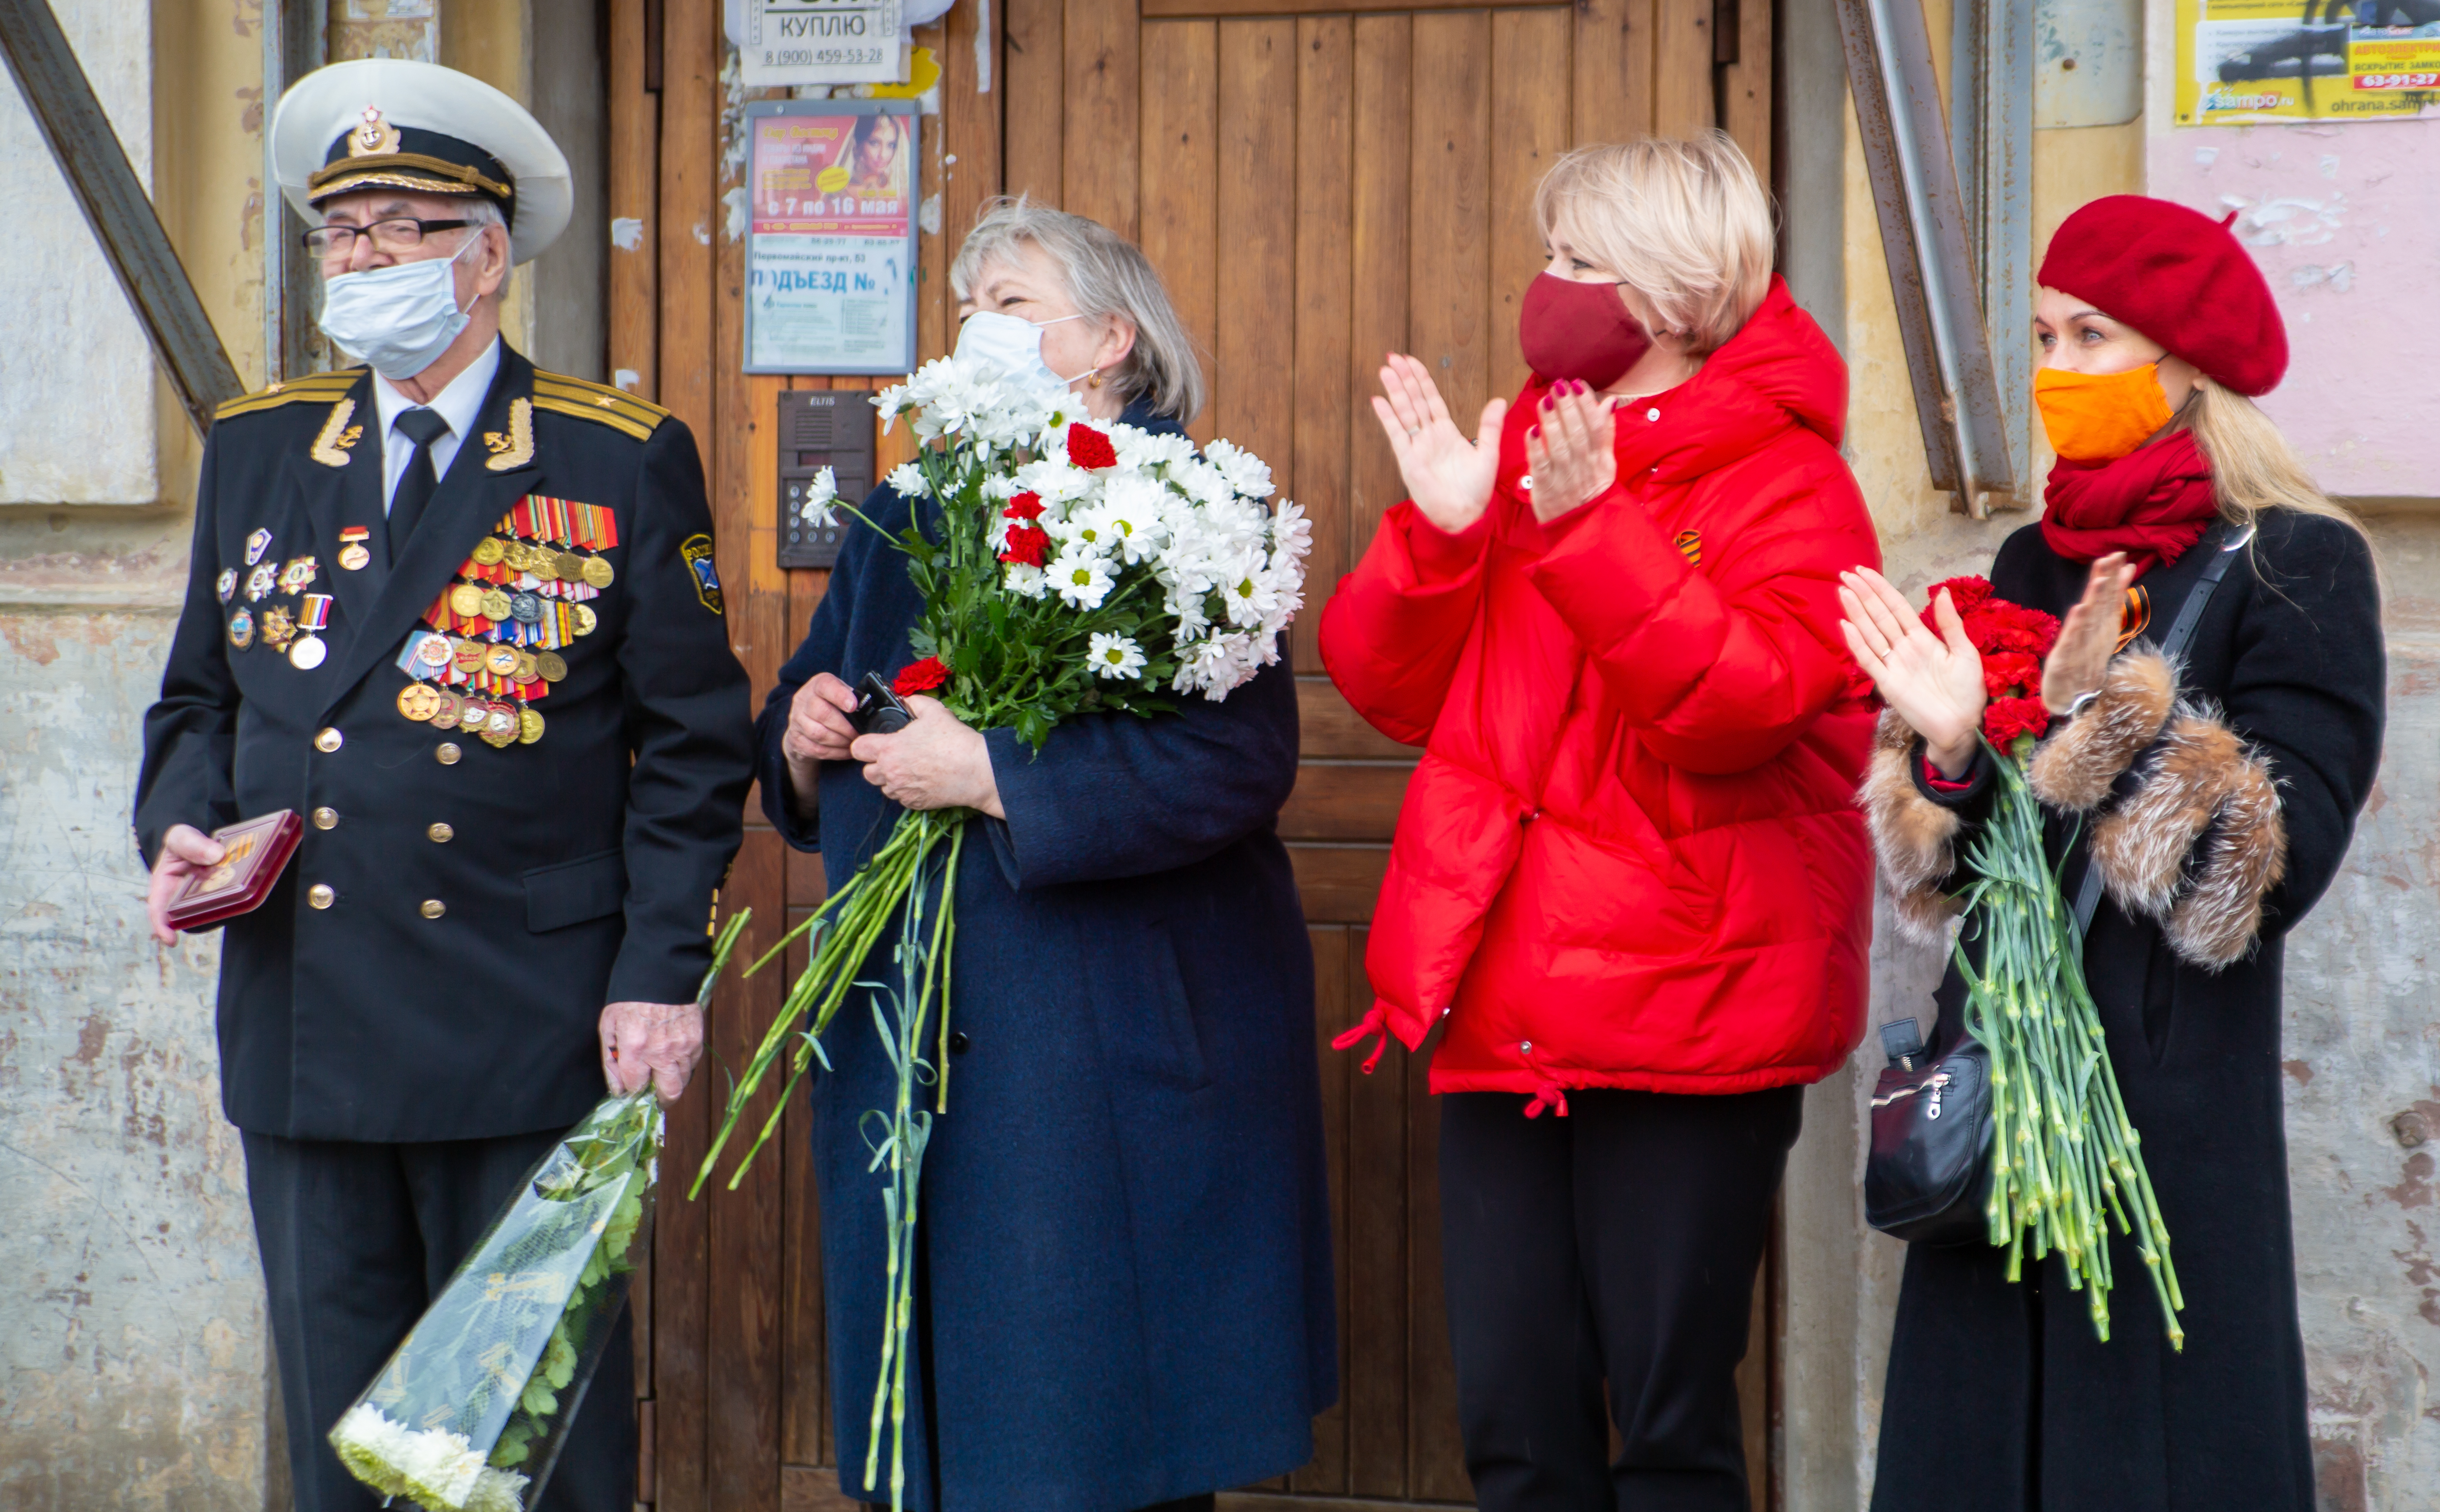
column 1681, row 219
column 1104, row 275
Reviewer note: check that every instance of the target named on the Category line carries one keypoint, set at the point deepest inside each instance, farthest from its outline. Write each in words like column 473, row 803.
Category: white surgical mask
column 399, row 318
column 1014, row 345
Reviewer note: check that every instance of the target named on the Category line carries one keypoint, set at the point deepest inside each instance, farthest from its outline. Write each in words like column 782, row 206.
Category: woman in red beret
column 2215, row 798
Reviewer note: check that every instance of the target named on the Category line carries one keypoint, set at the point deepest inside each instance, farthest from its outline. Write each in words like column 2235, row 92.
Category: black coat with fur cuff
column 1994, row 1389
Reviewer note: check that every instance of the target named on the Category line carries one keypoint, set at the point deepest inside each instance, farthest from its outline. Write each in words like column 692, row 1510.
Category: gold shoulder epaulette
column 311, row 387
column 599, row 402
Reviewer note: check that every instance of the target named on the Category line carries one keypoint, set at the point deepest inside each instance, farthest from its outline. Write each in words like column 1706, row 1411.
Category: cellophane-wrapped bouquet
column 2064, row 1158
column 471, row 1412
column 1066, row 568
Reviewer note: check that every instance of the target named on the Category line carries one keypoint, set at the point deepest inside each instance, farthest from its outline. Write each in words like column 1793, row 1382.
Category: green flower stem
column 2066, row 1160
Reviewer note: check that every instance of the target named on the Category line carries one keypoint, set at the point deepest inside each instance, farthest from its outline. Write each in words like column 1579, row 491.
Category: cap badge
column 374, row 135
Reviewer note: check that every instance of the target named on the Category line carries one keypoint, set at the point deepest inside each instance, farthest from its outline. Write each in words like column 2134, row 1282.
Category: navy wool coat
column 1126, row 1274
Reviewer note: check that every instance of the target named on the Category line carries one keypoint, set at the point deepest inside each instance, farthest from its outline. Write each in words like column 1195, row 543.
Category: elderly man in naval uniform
column 462, row 616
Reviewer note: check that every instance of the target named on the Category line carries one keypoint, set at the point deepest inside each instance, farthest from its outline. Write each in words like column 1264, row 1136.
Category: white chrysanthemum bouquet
column 1066, row 568
column 471, row 1412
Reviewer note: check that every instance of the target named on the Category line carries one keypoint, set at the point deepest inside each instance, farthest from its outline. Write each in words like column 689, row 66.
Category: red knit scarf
column 2151, row 504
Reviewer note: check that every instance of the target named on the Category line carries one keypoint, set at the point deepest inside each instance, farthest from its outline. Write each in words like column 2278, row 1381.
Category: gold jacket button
column 325, row 818
column 330, row 739
column 320, row 894
column 434, row 908
column 441, row 834
column 448, row 753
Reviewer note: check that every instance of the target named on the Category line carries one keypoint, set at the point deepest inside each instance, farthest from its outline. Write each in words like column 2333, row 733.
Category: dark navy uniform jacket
column 434, row 962
column 1125, row 1227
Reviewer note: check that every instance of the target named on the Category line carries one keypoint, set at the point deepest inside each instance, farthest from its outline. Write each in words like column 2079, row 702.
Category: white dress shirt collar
column 459, row 402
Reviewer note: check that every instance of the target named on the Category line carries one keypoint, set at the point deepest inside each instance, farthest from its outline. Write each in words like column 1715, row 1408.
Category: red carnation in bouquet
column 920, row 676
column 1090, row 449
column 2013, row 640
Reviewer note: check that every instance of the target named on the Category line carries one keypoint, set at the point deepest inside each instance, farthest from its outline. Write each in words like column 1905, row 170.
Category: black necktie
column 415, row 485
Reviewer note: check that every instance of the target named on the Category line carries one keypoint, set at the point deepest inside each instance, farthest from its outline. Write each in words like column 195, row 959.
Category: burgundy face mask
column 1580, row 331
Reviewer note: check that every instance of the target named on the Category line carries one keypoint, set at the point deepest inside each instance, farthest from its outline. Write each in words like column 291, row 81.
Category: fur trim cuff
column 2072, row 769
column 1914, row 837
column 2197, row 842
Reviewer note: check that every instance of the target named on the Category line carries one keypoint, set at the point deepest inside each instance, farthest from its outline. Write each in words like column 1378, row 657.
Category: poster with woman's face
column 831, row 250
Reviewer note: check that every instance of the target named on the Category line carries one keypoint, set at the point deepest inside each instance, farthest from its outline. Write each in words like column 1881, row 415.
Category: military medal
column 466, row 600
column 312, row 615
column 584, row 618
column 226, row 587
column 499, row 726
column 568, row 566
column 529, row 666
column 256, row 544
column 432, row 649
column 529, row 726
column 277, row 628
column 417, row 701
column 598, row 573
column 241, row 628
column 353, row 553
column 500, row 661
column 298, row 574
column 551, row 665
column 489, row 551
column 526, row 608
column 495, row 605
column 260, row 582
column 450, row 709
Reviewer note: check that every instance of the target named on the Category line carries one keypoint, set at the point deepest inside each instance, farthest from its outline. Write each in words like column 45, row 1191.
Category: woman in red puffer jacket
column 1629, row 871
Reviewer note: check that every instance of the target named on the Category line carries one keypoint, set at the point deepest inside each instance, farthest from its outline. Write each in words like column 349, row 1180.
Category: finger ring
column 1414, row 432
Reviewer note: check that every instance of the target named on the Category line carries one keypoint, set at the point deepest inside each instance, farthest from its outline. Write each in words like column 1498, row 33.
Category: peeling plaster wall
column 132, row 1357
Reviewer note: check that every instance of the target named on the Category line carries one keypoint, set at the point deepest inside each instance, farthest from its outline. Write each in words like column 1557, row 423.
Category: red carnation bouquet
column 2065, row 1161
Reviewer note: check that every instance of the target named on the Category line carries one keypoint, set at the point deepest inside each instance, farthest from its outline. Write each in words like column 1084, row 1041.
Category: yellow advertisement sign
column 2305, row 60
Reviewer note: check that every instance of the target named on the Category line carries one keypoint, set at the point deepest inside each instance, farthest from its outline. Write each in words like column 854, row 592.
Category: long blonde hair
column 2253, row 467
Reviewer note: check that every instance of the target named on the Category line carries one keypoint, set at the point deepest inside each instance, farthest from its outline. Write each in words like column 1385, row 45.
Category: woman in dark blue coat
column 1124, row 1299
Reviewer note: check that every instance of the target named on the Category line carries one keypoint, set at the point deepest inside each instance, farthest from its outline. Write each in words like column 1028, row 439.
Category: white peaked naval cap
column 389, row 122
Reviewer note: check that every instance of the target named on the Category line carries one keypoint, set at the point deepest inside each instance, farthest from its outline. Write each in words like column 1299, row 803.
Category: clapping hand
column 1572, row 449
column 2088, row 638
column 1934, row 681
column 1448, row 476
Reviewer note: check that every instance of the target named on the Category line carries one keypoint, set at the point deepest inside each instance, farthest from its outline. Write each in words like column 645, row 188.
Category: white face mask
column 399, row 318
column 1014, row 345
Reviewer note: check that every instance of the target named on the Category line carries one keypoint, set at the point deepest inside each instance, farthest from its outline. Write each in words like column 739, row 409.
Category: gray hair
column 1105, row 274
column 479, row 212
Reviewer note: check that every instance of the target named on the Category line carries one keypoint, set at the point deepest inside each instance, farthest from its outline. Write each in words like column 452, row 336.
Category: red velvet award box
column 258, row 851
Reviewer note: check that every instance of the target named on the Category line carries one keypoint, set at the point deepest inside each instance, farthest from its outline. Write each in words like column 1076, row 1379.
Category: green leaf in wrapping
column 538, row 1400
column 559, row 1362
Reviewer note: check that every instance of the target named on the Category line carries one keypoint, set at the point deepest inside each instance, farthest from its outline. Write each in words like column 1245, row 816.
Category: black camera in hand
column 879, row 711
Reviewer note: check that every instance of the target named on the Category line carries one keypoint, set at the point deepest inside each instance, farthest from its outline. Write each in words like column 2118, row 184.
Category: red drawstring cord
column 1377, row 1021
column 1547, row 1093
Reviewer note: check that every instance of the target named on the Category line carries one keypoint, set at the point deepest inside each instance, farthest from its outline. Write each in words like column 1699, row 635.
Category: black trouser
column 1619, row 1243
column 356, row 1239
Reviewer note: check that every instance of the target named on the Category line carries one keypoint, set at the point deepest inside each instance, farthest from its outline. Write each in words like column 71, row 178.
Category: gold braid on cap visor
column 402, row 170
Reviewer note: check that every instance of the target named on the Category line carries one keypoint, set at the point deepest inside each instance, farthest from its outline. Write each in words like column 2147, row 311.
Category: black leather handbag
column 1929, row 1173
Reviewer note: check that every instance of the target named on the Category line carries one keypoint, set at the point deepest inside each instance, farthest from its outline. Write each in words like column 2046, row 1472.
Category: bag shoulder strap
column 2173, row 645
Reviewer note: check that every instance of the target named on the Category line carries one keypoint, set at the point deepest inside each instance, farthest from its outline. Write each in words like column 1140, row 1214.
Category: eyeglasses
column 331, row 242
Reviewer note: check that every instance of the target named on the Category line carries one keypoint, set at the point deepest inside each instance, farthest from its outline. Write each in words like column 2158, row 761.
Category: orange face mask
column 2100, row 417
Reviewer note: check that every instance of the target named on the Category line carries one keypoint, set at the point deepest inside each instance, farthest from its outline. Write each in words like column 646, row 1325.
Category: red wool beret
column 2180, row 277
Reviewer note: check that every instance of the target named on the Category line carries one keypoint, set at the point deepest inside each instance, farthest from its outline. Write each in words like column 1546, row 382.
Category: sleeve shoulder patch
column 583, row 400
column 322, row 388
column 696, row 552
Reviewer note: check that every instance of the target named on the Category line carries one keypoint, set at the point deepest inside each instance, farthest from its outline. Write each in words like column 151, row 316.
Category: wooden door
column 1319, row 183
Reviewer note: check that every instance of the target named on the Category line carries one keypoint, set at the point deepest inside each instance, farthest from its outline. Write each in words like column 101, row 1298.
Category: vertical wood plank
column 1746, row 88
column 1099, row 149
column 1255, row 353
column 1613, row 100
column 1382, row 117
column 1326, row 268
column 935, row 306
column 634, row 195
column 1682, row 95
column 1333, row 1013
column 969, row 123
column 690, row 56
column 1449, row 214
column 804, row 1360
column 1529, row 130
column 742, row 1440
column 1179, row 177
column 1374, row 1372
column 1035, row 80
